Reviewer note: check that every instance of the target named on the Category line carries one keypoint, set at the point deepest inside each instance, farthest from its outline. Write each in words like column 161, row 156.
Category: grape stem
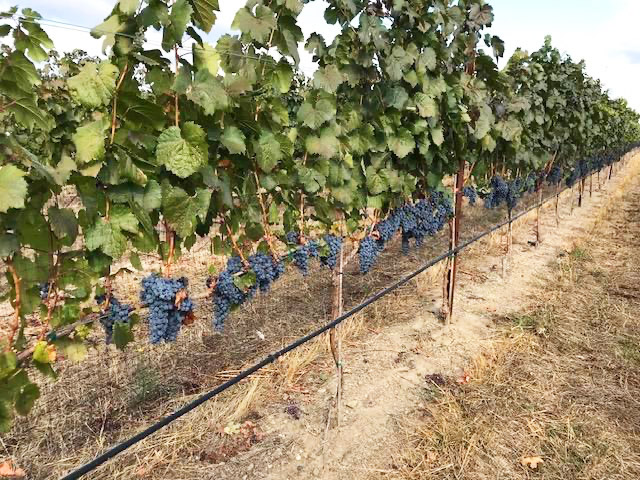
column 235, row 245
column 265, row 219
column 115, row 103
column 176, row 102
column 16, row 303
column 171, row 240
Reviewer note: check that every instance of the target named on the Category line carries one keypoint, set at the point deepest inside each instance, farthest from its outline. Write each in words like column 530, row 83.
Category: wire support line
column 83, row 29
column 271, row 358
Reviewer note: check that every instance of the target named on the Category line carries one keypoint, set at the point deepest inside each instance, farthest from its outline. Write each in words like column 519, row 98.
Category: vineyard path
column 384, row 370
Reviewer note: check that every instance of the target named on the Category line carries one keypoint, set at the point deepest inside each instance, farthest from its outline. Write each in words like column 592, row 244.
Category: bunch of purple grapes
column 166, row 315
column 115, row 312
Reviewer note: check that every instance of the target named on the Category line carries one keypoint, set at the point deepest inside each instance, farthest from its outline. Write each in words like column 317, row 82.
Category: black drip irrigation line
column 112, row 452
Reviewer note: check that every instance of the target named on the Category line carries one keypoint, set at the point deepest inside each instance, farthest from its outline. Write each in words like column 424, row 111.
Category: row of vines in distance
column 231, row 141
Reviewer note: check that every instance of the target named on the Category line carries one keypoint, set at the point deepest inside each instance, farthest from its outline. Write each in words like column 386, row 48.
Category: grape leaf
column 313, row 116
column 205, row 57
column 106, row 237
column 128, row 7
column 396, row 97
column 9, row 244
column 182, row 152
column 402, row 143
column 328, row 78
column 122, row 335
column 63, row 223
column 427, row 106
column 13, row 188
column 437, row 135
column 74, row 350
column 26, row 398
column 233, row 139
column 182, row 210
column 204, row 13
column 26, row 111
column 108, row 29
column 326, row 144
column 268, row 151
column 94, row 85
column 257, row 27
column 34, row 42
column 178, row 19
column 89, row 141
column 208, row 92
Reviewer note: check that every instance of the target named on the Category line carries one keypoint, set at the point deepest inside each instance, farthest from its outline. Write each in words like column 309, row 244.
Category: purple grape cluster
column 113, row 313
column 303, row 254
column 266, row 268
column 334, row 244
column 165, row 318
column 554, row 177
column 416, row 221
column 470, row 193
column 44, row 290
column 227, row 295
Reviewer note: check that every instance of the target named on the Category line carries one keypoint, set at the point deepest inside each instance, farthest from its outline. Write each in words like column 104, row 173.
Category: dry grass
column 113, row 394
column 562, row 383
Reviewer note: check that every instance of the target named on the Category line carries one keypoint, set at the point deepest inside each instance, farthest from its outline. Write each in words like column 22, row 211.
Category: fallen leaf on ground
column 7, row 470
column 531, row 462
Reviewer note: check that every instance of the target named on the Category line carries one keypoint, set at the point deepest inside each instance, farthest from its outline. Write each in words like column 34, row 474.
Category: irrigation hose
column 112, row 452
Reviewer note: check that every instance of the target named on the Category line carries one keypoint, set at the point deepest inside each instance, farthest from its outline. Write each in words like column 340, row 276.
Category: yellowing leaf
column 13, row 188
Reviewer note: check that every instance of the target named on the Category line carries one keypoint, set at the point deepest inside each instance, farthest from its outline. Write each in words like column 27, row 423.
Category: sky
column 602, row 32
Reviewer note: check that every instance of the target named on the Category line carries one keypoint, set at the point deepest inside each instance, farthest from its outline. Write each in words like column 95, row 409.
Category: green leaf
column 152, row 198
column 13, row 188
column 9, row 244
column 94, row 85
column 89, row 141
column 107, row 237
column 314, row 116
column 134, row 259
column 426, row 60
column 182, row 210
column 182, row 152
column 26, row 398
column 268, row 151
column 328, row 78
column 282, row 77
column 128, row 7
column 376, row 184
column 205, row 57
column 233, row 139
column 63, row 223
column 245, row 281
column 396, row 97
column 204, row 13
column 427, row 106
column 123, row 219
column 8, row 363
column 178, row 20
column 122, row 335
column 257, row 27
column 437, row 135
column 26, row 111
column 34, row 42
column 108, row 29
column 207, row 91
column 402, row 143
column 326, row 145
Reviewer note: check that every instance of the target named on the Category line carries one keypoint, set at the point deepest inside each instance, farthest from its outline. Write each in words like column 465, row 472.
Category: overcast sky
column 602, row 32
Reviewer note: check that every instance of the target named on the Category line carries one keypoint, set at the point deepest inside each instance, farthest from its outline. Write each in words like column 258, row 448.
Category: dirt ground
column 284, row 423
